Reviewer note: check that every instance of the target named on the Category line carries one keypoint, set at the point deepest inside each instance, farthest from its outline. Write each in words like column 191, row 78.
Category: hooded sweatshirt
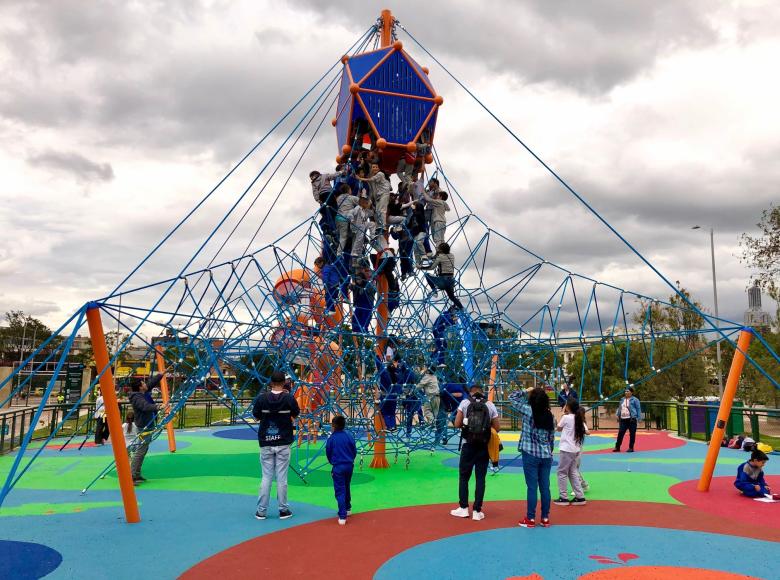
column 275, row 411
column 143, row 409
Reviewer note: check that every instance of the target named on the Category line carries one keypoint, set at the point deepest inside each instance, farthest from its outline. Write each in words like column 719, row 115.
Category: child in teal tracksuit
column 341, row 451
column 750, row 476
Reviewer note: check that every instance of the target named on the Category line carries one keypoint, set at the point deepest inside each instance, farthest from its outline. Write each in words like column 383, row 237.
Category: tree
column 763, row 253
column 624, row 360
column 686, row 377
column 114, row 339
column 22, row 335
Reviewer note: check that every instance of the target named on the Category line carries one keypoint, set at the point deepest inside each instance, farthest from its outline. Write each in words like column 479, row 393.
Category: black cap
column 277, row 377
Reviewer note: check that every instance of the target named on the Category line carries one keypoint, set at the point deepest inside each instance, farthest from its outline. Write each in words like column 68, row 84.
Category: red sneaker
column 527, row 523
column 776, row 496
column 545, row 523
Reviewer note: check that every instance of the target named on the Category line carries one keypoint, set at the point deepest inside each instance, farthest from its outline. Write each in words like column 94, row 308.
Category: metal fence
column 691, row 420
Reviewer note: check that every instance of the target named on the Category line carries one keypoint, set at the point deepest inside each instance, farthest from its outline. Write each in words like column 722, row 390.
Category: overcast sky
column 117, row 117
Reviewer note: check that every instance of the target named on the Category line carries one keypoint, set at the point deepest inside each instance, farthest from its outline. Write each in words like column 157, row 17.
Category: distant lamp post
column 715, row 297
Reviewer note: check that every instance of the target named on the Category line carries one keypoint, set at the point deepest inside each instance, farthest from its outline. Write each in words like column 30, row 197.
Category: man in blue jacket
column 567, row 392
column 145, row 411
column 629, row 413
column 341, row 451
column 275, row 410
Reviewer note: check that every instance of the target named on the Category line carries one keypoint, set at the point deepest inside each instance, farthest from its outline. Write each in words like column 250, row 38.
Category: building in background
column 754, row 316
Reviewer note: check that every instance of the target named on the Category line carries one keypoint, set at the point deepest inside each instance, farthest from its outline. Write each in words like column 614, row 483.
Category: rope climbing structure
column 352, row 334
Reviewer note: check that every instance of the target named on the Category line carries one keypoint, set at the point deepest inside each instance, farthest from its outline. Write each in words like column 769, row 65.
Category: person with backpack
column 275, row 410
column 475, row 417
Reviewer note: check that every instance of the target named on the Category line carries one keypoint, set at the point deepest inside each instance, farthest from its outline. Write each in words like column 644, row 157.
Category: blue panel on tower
column 398, row 119
column 396, row 75
column 419, row 69
column 360, row 65
column 343, row 111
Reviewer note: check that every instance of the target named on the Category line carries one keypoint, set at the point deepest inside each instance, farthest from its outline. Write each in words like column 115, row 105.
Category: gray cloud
column 161, row 88
column 588, row 46
column 77, row 165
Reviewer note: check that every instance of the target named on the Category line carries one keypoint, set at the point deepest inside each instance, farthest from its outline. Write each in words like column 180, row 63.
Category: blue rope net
column 225, row 324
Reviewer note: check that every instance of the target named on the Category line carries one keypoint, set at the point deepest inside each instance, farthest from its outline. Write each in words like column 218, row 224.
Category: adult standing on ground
column 275, row 410
column 101, row 425
column 145, row 411
column 536, row 443
column 475, row 417
column 629, row 413
column 567, row 392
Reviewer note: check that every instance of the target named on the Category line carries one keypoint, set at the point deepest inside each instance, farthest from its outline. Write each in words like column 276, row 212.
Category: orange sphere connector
column 429, row 158
column 345, row 58
column 333, row 121
column 346, row 149
column 426, row 70
column 339, row 159
column 398, row 45
column 354, row 88
column 411, row 147
column 439, row 100
column 381, row 143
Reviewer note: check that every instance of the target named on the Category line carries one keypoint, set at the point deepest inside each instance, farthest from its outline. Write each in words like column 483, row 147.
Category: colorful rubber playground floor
column 644, row 518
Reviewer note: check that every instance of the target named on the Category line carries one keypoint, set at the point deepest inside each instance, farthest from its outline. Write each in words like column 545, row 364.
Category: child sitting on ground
column 341, row 451
column 750, row 476
column 573, row 430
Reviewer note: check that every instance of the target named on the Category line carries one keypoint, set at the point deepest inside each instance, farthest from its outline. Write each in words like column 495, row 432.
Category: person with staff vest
column 475, row 417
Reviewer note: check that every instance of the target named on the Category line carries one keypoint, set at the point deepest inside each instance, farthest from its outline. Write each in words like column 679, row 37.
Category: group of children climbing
column 360, row 212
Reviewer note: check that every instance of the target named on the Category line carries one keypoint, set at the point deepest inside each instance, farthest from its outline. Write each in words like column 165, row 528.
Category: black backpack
column 478, row 428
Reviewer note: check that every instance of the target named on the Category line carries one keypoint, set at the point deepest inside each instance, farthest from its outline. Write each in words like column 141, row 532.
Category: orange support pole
column 165, row 396
column 492, row 386
column 387, row 28
column 379, row 461
column 737, row 363
column 382, row 315
column 108, row 391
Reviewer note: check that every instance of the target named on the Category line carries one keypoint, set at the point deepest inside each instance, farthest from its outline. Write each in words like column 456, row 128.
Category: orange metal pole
column 492, row 387
column 387, row 28
column 382, row 315
column 379, row 461
column 165, row 396
column 724, row 411
column 107, row 389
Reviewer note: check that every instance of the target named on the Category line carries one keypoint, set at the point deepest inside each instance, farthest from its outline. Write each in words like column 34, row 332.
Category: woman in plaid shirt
column 536, row 443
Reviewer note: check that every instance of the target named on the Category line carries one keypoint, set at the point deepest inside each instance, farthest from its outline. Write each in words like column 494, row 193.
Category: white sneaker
column 342, row 522
column 476, row 516
column 349, row 512
column 460, row 512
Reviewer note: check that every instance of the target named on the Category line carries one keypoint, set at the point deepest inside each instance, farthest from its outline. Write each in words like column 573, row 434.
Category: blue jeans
column 274, row 462
column 388, row 409
column 342, row 477
column 537, row 475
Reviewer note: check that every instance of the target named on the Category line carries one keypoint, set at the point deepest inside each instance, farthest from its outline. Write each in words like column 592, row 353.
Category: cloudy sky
column 117, row 117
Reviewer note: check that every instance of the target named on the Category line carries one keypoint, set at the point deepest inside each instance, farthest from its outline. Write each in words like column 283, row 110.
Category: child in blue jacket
column 341, row 451
column 750, row 476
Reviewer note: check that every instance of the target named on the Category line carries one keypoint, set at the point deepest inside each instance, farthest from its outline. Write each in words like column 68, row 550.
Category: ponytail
column 579, row 425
